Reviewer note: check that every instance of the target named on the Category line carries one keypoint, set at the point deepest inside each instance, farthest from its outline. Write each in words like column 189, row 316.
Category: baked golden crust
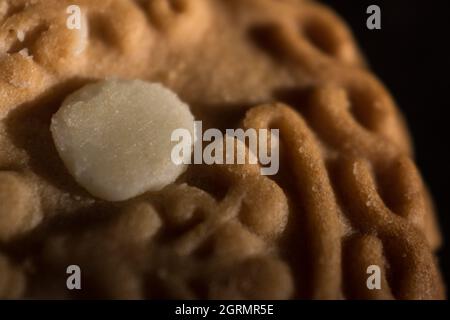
column 347, row 195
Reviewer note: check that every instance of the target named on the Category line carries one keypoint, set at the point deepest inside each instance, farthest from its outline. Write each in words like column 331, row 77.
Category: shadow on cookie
column 28, row 128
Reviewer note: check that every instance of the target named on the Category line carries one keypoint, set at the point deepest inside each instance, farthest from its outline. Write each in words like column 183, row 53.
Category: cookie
column 347, row 195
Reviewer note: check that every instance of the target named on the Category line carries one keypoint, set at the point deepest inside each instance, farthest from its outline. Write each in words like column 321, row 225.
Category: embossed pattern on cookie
column 348, row 194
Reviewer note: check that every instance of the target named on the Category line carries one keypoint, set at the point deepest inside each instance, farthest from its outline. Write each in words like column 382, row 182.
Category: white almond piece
column 114, row 137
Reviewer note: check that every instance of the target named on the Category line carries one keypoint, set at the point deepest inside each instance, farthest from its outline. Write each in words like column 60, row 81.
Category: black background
column 411, row 55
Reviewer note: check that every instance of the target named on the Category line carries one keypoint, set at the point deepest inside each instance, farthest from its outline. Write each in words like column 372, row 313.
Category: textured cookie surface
column 347, row 195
